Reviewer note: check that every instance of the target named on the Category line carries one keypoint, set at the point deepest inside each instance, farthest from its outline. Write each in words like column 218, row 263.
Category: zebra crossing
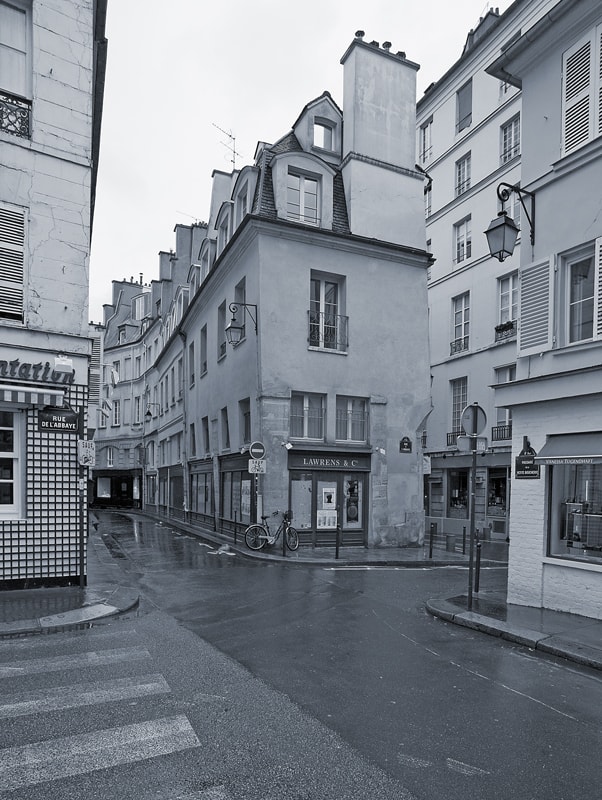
column 38, row 683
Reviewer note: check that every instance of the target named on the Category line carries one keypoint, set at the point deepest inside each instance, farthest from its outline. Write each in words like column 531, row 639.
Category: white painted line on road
column 77, row 755
column 84, row 694
column 93, row 658
column 465, row 769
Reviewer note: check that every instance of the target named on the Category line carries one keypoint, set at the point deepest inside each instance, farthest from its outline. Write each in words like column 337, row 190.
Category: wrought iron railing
column 505, row 330
column 15, row 115
column 501, row 432
column 458, row 345
column 452, row 438
column 328, row 331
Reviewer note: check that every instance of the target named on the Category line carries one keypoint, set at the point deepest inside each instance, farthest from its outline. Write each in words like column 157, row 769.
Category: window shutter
column 598, row 65
column 535, row 315
column 12, row 257
column 577, row 114
column 598, row 289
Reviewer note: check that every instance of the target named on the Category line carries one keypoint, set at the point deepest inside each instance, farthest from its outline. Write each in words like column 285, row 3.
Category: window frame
column 425, row 141
column 304, row 178
column 459, row 401
column 510, row 145
column 351, row 412
column 462, row 171
column 25, row 90
column 463, row 240
column 464, row 98
column 513, row 293
column 303, row 400
column 328, row 327
column 15, row 455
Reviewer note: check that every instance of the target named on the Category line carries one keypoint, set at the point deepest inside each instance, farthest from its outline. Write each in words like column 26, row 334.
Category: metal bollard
column 477, row 575
column 433, row 533
column 464, row 540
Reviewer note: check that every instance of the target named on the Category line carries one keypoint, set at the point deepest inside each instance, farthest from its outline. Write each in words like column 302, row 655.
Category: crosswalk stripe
column 76, row 755
column 93, row 658
column 83, row 694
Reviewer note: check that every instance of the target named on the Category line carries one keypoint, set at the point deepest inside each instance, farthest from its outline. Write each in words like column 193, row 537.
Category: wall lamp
column 234, row 330
column 503, row 231
column 149, row 413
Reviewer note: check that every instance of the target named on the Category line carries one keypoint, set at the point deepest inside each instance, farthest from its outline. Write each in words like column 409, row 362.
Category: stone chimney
column 383, row 188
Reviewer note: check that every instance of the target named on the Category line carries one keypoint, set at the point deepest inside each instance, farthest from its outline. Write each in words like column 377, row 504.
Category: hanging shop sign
column 58, row 420
column 405, row 445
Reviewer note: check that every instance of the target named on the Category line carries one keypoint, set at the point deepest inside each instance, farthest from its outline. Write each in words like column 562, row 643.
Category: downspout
column 185, row 470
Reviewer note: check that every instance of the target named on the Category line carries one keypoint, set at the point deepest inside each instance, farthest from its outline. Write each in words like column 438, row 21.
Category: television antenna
column 230, row 144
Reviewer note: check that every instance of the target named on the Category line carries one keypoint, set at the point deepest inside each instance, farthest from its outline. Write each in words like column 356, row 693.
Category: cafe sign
column 58, row 420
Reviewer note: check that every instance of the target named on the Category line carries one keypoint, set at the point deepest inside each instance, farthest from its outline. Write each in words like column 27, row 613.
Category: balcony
column 15, row 115
column 452, row 438
column 328, row 331
column 458, row 345
column 505, row 331
column 500, row 433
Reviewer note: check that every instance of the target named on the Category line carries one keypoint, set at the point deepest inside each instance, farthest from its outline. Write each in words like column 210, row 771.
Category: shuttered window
column 12, row 259
column 582, row 92
column 535, row 316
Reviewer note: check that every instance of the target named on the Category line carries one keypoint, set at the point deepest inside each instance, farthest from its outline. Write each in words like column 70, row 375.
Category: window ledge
column 329, row 350
column 563, row 561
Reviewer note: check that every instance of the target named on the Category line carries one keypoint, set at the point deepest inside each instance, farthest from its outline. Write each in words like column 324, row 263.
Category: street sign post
column 257, row 450
column 257, row 466
column 465, row 444
column 473, row 421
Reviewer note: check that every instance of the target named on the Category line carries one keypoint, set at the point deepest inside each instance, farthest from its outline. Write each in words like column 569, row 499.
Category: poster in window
column 326, row 519
column 329, row 497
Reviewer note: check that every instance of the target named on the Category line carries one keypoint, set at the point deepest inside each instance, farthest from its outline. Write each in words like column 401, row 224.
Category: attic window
column 302, row 198
column 323, row 135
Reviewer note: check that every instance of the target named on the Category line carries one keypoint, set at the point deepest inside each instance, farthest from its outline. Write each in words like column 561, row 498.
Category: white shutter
column 577, row 91
column 598, row 66
column 598, row 289
column 535, row 308
column 12, row 259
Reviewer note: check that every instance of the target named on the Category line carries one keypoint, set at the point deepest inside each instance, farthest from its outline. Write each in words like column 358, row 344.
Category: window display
column 575, row 524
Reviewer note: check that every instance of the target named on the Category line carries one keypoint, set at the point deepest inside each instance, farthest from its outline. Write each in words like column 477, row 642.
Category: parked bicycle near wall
column 259, row 534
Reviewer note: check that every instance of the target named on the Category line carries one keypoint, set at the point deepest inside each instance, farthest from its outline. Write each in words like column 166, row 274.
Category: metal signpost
column 257, row 466
column 473, row 420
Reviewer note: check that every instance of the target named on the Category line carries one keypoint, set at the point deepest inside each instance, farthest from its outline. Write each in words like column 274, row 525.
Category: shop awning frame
column 27, row 395
column 572, row 448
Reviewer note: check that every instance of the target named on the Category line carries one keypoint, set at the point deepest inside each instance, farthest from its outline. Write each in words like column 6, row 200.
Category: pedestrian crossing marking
column 77, row 755
column 85, row 694
column 92, row 658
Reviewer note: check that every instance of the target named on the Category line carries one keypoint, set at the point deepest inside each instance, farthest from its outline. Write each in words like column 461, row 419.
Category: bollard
column 338, row 539
column 235, row 525
column 432, row 534
column 477, row 575
column 464, row 540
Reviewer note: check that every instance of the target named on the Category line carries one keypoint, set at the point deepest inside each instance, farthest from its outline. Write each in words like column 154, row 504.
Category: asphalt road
column 310, row 682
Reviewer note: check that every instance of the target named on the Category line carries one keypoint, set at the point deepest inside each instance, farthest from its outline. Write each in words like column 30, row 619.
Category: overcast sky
column 177, row 70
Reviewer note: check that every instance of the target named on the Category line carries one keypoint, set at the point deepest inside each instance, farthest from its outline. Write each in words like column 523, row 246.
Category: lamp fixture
column 149, row 413
column 235, row 330
column 503, row 230
column 287, row 445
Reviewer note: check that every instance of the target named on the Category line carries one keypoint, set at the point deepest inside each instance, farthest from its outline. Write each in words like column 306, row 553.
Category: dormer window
column 302, row 198
column 242, row 205
column 121, row 339
column 323, row 135
column 222, row 239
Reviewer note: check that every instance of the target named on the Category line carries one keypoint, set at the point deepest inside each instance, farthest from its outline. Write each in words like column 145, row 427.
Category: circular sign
column 473, row 420
column 257, row 450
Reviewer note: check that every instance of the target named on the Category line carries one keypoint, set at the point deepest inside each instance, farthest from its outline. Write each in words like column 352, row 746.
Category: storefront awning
column 574, row 448
column 31, row 396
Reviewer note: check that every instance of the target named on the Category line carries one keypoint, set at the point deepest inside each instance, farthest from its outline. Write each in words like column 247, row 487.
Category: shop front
column 330, row 491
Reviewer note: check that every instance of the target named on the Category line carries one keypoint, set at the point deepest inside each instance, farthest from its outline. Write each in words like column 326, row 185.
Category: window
column 191, row 362
column 240, row 298
column 244, row 408
column 579, row 273
column 327, row 327
column 121, row 339
column 10, row 464
column 15, row 67
column 575, row 521
column 463, row 175
column 203, row 350
column 581, row 92
column 302, row 198
column 12, row 257
column 425, row 141
column 504, row 415
column 457, row 503
column 510, row 139
column 222, row 237
column 351, row 423
column 110, row 456
column 307, row 416
column 462, row 240
column 205, row 426
column 464, row 106
column 225, row 429
column 138, row 366
column 221, row 331
column 460, row 323
column 137, row 410
column 242, row 204
column 428, row 199
column 141, row 306
column 323, row 135
column 116, row 412
column 459, row 393
column 508, row 294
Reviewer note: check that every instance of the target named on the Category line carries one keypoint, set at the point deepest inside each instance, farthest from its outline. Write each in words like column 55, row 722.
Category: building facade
column 317, row 250
column 469, row 142
column 556, row 518
column 51, row 86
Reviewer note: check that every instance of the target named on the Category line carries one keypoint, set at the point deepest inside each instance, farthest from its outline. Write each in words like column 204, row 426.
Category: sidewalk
column 573, row 637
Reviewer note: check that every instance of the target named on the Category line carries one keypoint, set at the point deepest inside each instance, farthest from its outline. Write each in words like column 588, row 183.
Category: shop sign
column 39, row 372
column 525, row 467
column 347, row 462
column 58, row 420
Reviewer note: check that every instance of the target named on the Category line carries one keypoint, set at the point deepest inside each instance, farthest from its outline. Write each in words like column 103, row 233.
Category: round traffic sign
column 257, row 450
column 473, row 420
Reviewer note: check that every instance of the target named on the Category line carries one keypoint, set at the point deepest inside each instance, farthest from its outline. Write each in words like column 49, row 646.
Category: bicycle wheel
column 255, row 537
column 292, row 538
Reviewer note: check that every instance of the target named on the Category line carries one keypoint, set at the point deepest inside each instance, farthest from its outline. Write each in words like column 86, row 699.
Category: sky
column 189, row 79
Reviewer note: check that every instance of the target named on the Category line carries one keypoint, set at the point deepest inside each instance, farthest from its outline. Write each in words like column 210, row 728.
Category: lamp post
column 235, row 330
column 503, row 231
column 148, row 416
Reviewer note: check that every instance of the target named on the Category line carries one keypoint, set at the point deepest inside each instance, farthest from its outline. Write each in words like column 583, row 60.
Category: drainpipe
column 185, row 470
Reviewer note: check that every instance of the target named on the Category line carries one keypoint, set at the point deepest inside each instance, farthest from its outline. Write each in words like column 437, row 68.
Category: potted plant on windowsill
column 505, row 329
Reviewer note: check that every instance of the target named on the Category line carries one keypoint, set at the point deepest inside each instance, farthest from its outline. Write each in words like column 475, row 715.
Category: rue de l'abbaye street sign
column 58, row 420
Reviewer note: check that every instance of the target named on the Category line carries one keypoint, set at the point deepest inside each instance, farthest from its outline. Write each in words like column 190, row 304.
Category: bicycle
column 259, row 534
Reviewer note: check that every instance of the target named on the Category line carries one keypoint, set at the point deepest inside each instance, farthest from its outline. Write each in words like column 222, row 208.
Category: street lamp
column 503, row 231
column 234, row 330
column 149, row 414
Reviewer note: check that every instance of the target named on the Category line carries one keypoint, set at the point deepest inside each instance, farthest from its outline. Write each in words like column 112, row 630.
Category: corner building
column 320, row 246
column 51, row 87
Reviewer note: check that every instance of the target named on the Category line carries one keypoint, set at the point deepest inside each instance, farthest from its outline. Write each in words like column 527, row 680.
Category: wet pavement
column 573, row 637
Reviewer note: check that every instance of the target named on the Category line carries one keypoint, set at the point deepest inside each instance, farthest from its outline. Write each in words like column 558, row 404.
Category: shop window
column 236, row 497
column 307, row 416
column 575, row 519
column 11, row 456
column 351, row 422
column 497, row 482
column 301, row 499
column 457, row 501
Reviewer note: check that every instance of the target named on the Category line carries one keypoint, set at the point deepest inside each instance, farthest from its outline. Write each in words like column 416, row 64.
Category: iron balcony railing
column 328, row 331
column 452, row 438
column 15, row 115
column 501, row 432
column 505, row 330
column 458, row 345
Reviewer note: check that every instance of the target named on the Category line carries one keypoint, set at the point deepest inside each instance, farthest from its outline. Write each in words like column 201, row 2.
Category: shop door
column 339, row 498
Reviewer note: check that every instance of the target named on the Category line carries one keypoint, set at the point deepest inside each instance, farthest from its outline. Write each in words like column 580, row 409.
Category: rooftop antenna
column 230, row 145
